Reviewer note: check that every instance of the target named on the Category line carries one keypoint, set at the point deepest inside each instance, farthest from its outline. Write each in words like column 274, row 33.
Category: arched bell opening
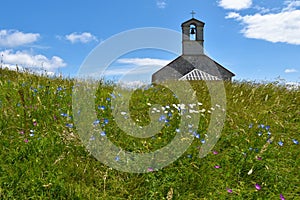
column 193, row 32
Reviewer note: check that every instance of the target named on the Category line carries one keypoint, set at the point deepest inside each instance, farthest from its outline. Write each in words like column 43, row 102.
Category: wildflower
column 69, row 125
column 92, row 137
column 113, row 95
column 64, row 114
column 177, row 130
column 189, row 156
column 196, row 135
column 31, row 134
column 257, row 186
column 101, row 107
column 202, row 141
column 150, row 169
column 26, row 140
column 34, row 123
column 215, row 152
column 295, row 141
column 103, row 133
column 117, row 158
column 106, row 121
column 282, row 197
column 22, row 132
column 280, row 143
column 217, row 166
column 250, row 125
column 229, row 190
column 259, row 134
column 259, row 158
column 107, row 99
column 162, row 118
column 267, row 128
column 97, row 121
column 59, row 88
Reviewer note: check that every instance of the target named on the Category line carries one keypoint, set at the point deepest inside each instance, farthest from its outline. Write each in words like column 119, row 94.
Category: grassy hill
column 42, row 157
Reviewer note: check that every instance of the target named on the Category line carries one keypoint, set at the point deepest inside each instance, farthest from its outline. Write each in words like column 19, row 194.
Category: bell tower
column 192, row 37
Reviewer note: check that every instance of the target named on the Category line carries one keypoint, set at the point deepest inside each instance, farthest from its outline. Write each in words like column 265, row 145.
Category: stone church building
column 193, row 64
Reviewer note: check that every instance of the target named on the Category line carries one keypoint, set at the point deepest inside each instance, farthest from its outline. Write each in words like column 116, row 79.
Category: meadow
column 43, row 157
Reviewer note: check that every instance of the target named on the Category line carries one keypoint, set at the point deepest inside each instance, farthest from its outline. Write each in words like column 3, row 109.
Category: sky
column 257, row 40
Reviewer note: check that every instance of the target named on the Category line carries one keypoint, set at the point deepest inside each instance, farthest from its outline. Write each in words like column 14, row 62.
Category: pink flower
column 26, row 140
column 229, row 190
column 217, row 166
column 22, row 132
column 34, row 123
column 150, row 169
column 215, row 152
column 282, row 197
column 257, row 186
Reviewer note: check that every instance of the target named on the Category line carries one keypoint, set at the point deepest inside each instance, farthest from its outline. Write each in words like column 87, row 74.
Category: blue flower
column 97, row 121
column 113, row 95
column 295, row 141
column 117, row 158
column 101, row 107
column 69, row 125
column 103, row 133
column 92, row 138
column 106, row 121
column 267, row 128
column 177, row 130
column 162, row 118
column 107, row 99
column 202, row 141
column 280, row 143
column 64, row 114
column 250, row 125
column 196, row 135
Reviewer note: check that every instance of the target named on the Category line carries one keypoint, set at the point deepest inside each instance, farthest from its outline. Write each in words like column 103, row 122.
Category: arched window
column 193, row 32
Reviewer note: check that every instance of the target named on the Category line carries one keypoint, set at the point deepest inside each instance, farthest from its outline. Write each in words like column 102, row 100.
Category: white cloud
column 161, row 4
column 14, row 38
column 279, row 27
column 288, row 71
column 144, row 61
column 28, row 60
column 235, row 4
column 81, row 37
column 291, row 5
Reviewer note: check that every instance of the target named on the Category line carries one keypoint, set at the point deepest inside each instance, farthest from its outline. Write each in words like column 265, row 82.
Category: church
column 193, row 64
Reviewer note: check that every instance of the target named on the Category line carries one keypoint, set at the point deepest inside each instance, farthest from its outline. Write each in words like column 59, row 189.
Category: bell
column 193, row 31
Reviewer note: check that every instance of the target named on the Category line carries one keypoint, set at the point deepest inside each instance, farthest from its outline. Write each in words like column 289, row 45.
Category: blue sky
column 257, row 40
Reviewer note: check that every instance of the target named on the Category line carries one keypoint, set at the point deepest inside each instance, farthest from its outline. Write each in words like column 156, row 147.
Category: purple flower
column 257, row 186
column 259, row 158
column 282, row 197
column 229, row 190
column 150, row 169
column 217, row 166
column 215, row 152
column 22, row 132
column 26, row 140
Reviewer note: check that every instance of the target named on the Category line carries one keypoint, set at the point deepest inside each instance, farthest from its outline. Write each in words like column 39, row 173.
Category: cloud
column 81, row 37
column 283, row 26
column 161, row 4
column 235, row 4
column 14, row 38
column 136, row 66
column 291, row 5
column 143, row 61
column 288, row 71
column 34, row 62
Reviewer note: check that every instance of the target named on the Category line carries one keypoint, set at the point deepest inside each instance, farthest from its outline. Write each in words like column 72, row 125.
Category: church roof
column 191, row 21
column 184, row 64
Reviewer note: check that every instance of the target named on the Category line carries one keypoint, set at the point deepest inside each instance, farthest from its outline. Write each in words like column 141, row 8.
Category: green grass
column 42, row 156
